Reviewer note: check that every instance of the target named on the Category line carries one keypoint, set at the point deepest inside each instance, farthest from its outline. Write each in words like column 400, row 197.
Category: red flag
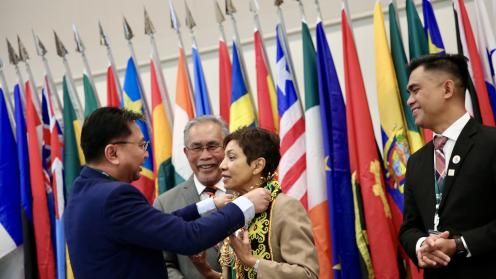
column 225, row 69
column 41, row 220
column 112, row 92
column 267, row 114
column 475, row 65
column 365, row 166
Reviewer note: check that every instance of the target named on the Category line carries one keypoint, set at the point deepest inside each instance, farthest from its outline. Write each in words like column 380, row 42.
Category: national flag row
column 329, row 158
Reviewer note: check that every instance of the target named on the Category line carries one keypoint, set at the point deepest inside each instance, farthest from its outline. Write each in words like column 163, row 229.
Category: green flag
column 90, row 101
column 417, row 39
column 72, row 163
column 399, row 59
column 318, row 208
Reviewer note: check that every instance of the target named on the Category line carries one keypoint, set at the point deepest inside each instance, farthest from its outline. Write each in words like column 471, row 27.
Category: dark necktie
column 210, row 191
column 439, row 142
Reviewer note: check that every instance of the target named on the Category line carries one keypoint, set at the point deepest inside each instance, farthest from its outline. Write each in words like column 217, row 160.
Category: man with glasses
column 203, row 138
column 112, row 231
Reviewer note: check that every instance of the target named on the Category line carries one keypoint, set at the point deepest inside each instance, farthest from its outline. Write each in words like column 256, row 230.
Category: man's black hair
column 453, row 64
column 102, row 127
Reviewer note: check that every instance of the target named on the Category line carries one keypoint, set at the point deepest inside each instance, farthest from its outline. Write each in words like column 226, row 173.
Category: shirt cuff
column 419, row 243
column 466, row 248
column 206, row 206
column 247, row 207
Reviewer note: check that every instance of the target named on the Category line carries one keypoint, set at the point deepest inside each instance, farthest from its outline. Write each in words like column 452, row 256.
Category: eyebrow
column 410, row 86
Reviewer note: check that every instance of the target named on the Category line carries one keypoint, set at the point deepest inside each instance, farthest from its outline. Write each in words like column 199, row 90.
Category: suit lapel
column 189, row 193
column 462, row 147
column 425, row 184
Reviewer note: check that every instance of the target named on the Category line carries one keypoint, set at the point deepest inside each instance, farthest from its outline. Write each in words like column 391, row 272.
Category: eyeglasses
column 143, row 145
column 198, row 148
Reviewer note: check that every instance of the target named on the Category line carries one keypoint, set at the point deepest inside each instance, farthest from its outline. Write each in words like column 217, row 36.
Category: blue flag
column 133, row 101
column 432, row 29
column 10, row 197
column 22, row 155
column 338, row 175
column 202, row 101
column 241, row 112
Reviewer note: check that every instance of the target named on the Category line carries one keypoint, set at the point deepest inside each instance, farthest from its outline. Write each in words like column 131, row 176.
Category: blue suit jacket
column 112, row 231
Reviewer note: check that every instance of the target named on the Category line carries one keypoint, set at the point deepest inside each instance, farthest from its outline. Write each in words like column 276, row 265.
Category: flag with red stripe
column 292, row 167
column 267, row 99
column 474, row 64
column 376, row 241
column 41, row 219
column 225, row 72
column 56, row 169
column 113, row 99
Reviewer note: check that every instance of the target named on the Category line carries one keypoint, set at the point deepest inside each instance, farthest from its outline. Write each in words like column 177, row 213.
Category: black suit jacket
column 468, row 205
column 112, row 231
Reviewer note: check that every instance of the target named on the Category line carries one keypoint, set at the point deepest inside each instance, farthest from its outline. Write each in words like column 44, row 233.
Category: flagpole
column 8, row 101
column 150, row 31
column 220, row 19
column 176, row 26
column 230, row 10
column 62, row 52
column 24, row 57
column 254, row 7
column 128, row 34
column 14, row 60
column 346, row 7
column 105, row 41
column 317, row 7
column 190, row 22
column 81, row 49
column 41, row 51
column 287, row 50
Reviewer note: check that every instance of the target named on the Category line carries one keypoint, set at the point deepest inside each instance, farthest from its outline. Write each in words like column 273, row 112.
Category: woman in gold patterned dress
column 278, row 242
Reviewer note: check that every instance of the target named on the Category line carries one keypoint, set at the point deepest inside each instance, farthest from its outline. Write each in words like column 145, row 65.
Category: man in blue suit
column 112, row 231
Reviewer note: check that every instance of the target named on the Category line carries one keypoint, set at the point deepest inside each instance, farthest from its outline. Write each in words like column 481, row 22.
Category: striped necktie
column 439, row 142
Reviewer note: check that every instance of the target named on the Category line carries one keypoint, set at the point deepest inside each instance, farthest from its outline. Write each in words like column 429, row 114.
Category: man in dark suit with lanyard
column 449, row 225
column 112, row 231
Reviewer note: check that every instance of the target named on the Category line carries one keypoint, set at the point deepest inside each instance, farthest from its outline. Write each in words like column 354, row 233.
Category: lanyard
column 439, row 189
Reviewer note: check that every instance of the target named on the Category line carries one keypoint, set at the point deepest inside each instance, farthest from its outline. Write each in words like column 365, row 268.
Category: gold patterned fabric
column 259, row 235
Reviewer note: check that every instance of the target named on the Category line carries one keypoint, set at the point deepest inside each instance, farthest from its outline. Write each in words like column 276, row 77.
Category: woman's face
column 237, row 174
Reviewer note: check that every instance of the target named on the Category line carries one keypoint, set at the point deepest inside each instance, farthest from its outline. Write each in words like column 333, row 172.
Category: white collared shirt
column 200, row 188
column 206, row 205
column 452, row 133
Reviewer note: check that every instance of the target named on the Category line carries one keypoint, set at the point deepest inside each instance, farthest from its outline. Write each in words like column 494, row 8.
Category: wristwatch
column 460, row 248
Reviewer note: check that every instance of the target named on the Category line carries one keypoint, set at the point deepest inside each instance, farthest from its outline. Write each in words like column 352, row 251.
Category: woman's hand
column 201, row 264
column 241, row 245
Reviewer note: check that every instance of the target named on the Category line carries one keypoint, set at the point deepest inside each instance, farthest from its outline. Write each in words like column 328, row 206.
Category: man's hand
column 201, row 264
column 221, row 201
column 430, row 254
column 447, row 246
column 260, row 198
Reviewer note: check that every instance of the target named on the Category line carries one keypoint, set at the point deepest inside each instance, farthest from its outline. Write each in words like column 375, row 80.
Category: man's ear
column 259, row 165
column 111, row 154
column 449, row 88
